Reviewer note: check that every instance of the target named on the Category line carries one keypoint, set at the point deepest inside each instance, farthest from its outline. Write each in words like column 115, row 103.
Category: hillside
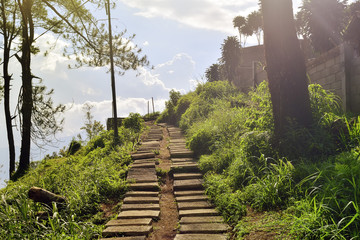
column 305, row 187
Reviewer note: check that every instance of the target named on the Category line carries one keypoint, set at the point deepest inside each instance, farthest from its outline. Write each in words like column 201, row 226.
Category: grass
column 308, row 185
column 90, row 179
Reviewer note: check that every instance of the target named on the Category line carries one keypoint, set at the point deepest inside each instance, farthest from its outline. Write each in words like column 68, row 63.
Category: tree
column 212, row 73
column 247, row 31
column 239, row 22
column 10, row 31
column 230, row 57
column 254, row 20
column 92, row 127
column 322, row 24
column 285, row 66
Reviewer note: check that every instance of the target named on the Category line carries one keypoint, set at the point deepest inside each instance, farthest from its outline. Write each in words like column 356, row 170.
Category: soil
column 165, row 228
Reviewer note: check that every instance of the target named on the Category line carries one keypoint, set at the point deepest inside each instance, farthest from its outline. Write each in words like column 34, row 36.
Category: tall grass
column 92, row 176
column 307, row 176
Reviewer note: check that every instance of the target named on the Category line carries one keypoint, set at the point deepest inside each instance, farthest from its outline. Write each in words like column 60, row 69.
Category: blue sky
column 181, row 39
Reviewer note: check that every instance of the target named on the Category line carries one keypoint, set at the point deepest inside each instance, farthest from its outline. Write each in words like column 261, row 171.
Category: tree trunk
column 7, row 38
column 27, row 98
column 8, row 118
column 285, row 67
column 44, row 196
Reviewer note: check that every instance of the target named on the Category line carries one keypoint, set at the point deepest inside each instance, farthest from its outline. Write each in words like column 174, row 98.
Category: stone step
column 148, row 206
column 113, row 231
column 193, row 198
column 200, row 237
column 141, row 194
column 203, row 219
column 140, row 200
column 126, row 238
column 189, row 193
column 147, row 149
column 194, row 205
column 147, row 160
column 186, row 167
column 189, row 184
column 151, row 143
column 198, row 213
column 152, row 186
column 142, row 178
column 139, row 214
column 186, row 176
column 142, row 155
column 204, row 228
column 143, row 165
column 183, row 160
column 126, row 222
column 181, row 154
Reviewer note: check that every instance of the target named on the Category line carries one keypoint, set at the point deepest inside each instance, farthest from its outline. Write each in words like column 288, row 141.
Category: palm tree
column 246, row 31
column 239, row 22
column 230, row 57
column 255, row 21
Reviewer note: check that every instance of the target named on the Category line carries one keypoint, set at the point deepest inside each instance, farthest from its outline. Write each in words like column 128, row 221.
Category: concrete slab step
column 200, row 237
column 151, row 143
column 140, row 200
column 194, row 205
column 198, row 213
column 139, row 214
column 181, row 154
column 203, row 219
column 147, row 206
column 189, row 184
column 141, row 194
column 189, row 193
column 186, row 176
column 113, row 231
column 126, row 238
column 127, row 222
column 152, row 186
column 192, row 198
column 143, row 165
column 142, row 155
column 182, row 160
column 186, row 167
column 204, row 228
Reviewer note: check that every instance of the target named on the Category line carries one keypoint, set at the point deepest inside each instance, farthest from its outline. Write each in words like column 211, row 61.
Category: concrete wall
column 337, row 70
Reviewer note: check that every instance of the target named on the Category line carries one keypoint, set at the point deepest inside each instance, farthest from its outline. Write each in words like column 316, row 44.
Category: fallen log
column 41, row 195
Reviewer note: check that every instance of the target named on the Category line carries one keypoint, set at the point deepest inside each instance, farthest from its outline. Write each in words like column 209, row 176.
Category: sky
column 181, row 38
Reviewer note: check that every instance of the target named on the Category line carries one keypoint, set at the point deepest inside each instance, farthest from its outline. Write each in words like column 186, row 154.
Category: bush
column 134, row 122
column 73, row 147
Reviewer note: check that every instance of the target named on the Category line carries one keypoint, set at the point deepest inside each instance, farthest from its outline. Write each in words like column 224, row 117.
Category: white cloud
column 205, row 14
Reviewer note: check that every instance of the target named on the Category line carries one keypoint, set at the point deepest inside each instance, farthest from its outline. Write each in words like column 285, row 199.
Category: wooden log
column 44, row 196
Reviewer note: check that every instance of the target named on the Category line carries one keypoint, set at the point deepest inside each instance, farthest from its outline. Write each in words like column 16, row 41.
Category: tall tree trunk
column 8, row 37
column 8, row 118
column 285, row 66
column 27, row 98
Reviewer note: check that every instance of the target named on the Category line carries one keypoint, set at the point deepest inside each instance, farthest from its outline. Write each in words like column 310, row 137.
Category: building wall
column 337, row 71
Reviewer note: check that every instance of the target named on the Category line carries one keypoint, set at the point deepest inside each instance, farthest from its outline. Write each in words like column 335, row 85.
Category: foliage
column 134, row 122
column 323, row 25
column 231, row 57
column 93, row 176
column 306, row 180
column 74, row 146
column 92, row 127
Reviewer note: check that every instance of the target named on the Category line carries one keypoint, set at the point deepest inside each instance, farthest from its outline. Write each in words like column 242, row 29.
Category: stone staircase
column 198, row 218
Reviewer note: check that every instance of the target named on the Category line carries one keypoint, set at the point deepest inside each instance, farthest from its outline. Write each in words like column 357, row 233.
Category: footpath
column 172, row 206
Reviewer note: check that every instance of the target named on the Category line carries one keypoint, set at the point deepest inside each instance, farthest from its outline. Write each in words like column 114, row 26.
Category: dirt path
column 165, row 228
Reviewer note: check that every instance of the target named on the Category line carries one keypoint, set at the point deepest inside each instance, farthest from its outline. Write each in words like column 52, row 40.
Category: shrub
column 134, row 122
column 73, row 147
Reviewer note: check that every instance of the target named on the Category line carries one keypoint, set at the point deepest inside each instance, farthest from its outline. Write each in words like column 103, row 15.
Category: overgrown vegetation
column 89, row 176
column 311, row 178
